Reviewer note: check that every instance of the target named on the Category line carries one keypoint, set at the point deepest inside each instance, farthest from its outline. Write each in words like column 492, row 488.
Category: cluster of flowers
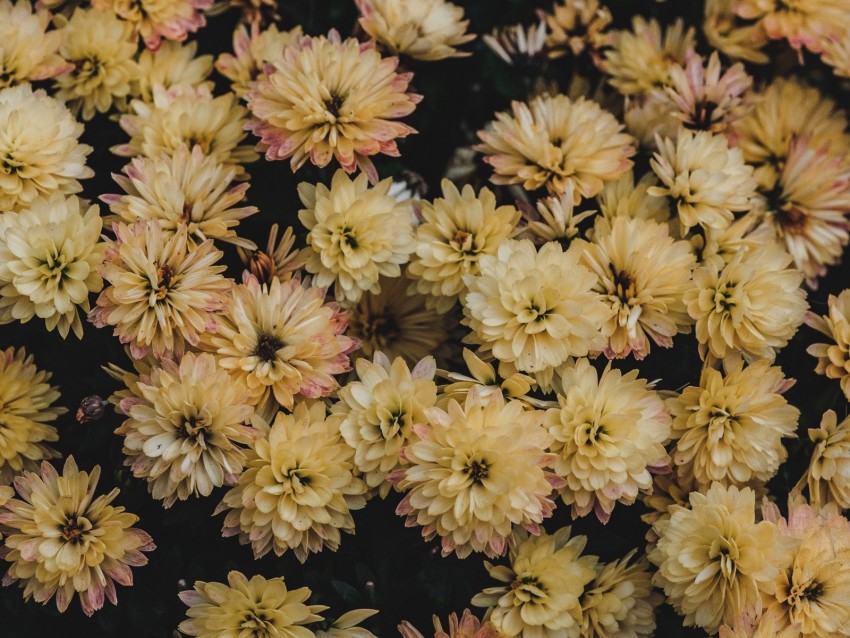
column 245, row 384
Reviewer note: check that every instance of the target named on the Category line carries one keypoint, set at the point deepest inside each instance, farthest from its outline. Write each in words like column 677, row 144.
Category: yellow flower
column 475, row 473
column 426, row 30
column 279, row 259
column 29, row 52
column 486, row 383
column 456, row 230
column 26, row 411
column 627, row 198
column 555, row 219
column 733, row 37
column 828, row 475
column 730, row 427
column 576, row 26
column 298, row 487
column 804, row 23
column 49, row 258
column 833, row 357
column 158, row 19
column 553, row 141
column 357, row 234
column 608, row 432
column 171, row 65
column 836, row 53
column 62, row 540
column 543, row 586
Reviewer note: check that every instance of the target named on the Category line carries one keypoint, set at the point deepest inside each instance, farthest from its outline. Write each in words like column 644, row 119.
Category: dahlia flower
column 279, row 259
column 804, row 23
column 186, row 187
column 356, row 234
column 101, row 47
column 49, row 258
column 553, row 141
column 736, row 39
column 626, row 197
column 185, row 427
column 468, row 626
column 298, row 487
column 475, row 472
column 456, row 230
column 26, row 413
column 534, row 309
column 609, row 433
column 714, row 560
column 173, row 64
column 641, row 273
column 30, row 51
column 828, row 475
column 155, row 20
column 833, row 357
column 380, row 410
column 328, row 98
column 40, row 148
column 188, row 115
column 281, row 340
column 576, row 26
column 162, row 295
column 427, row 30
column 730, row 427
column 543, row 587
column 754, row 304
column 62, row 540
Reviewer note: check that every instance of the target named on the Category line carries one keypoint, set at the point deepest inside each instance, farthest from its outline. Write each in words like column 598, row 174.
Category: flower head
column 30, row 51
column 279, row 259
column 576, row 26
column 172, row 64
column 468, row 626
column 828, row 475
column 804, row 23
column 833, row 357
column 154, row 20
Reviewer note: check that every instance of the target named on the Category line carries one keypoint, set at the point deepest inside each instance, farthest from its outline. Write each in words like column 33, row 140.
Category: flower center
column 702, row 116
column 334, row 103
column 259, row 622
column 381, row 330
column 623, row 284
column 462, row 242
column 267, row 347
column 194, row 427
column 723, row 301
column 348, row 238
column 528, row 589
column 477, row 470
column 164, row 276
column 75, row 528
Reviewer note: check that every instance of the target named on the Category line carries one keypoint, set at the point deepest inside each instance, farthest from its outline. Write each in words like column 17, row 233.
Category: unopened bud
column 91, row 409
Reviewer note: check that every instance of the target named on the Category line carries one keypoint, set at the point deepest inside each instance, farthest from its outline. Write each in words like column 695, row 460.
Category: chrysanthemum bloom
column 398, row 324
column 731, row 36
column 576, row 26
column 279, row 260
column 641, row 273
column 620, row 601
column 155, row 20
column 475, row 472
column 162, row 295
column 428, row 30
column 668, row 490
column 40, row 148
column 26, row 412
column 828, row 475
column 836, row 53
column 483, row 378
column 608, row 432
column 708, row 180
column 804, row 23
column 747, row 233
column 49, row 258
column 186, row 187
column 833, row 357
column 519, row 44
column 714, row 560
column 281, row 340
column 754, row 304
column 251, row 52
column 253, row 608
column 730, row 427
column 759, row 625
column 62, row 540
column 188, row 115
column 380, row 410
column 456, row 230
column 468, row 626
column 101, row 48
column 626, row 197
column 640, row 59
column 543, row 587
column 553, row 141
column 171, row 65
column 331, row 99
column 554, row 219
column 704, row 99
column 357, row 234
column 535, row 309
column 30, row 51
column 298, row 487
column 185, row 427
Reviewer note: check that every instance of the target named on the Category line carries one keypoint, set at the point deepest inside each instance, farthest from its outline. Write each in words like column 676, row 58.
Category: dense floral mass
column 541, row 331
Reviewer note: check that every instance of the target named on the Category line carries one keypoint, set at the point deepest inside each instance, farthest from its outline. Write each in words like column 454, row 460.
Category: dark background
column 385, row 565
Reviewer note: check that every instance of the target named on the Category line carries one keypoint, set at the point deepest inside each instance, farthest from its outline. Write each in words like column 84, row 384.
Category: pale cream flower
column 730, row 35
column 828, row 475
column 576, row 26
column 456, row 230
column 188, row 115
column 641, row 273
column 626, row 197
column 836, row 53
column 554, row 219
column 173, row 64
column 425, row 30
column 833, row 357
column 553, row 141
column 753, row 304
column 329, row 98
column 543, row 587
column 804, row 23
column 50, row 253
column 650, row 117
column 380, row 410
column 535, row 309
column 62, row 540
column 356, row 234
column 29, row 52
column 668, row 490
column 476, row 472
column 609, row 433
column 101, row 48
column 520, row 44
column 756, row 625
column 298, row 487
column 40, row 152
column 162, row 295
column 185, row 429
column 707, row 180
column 730, row 427
column 26, row 414
column 186, row 187
column 279, row 259
column 256, row 608
column 154, row 20
column 483, row 378
column 714, row 560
